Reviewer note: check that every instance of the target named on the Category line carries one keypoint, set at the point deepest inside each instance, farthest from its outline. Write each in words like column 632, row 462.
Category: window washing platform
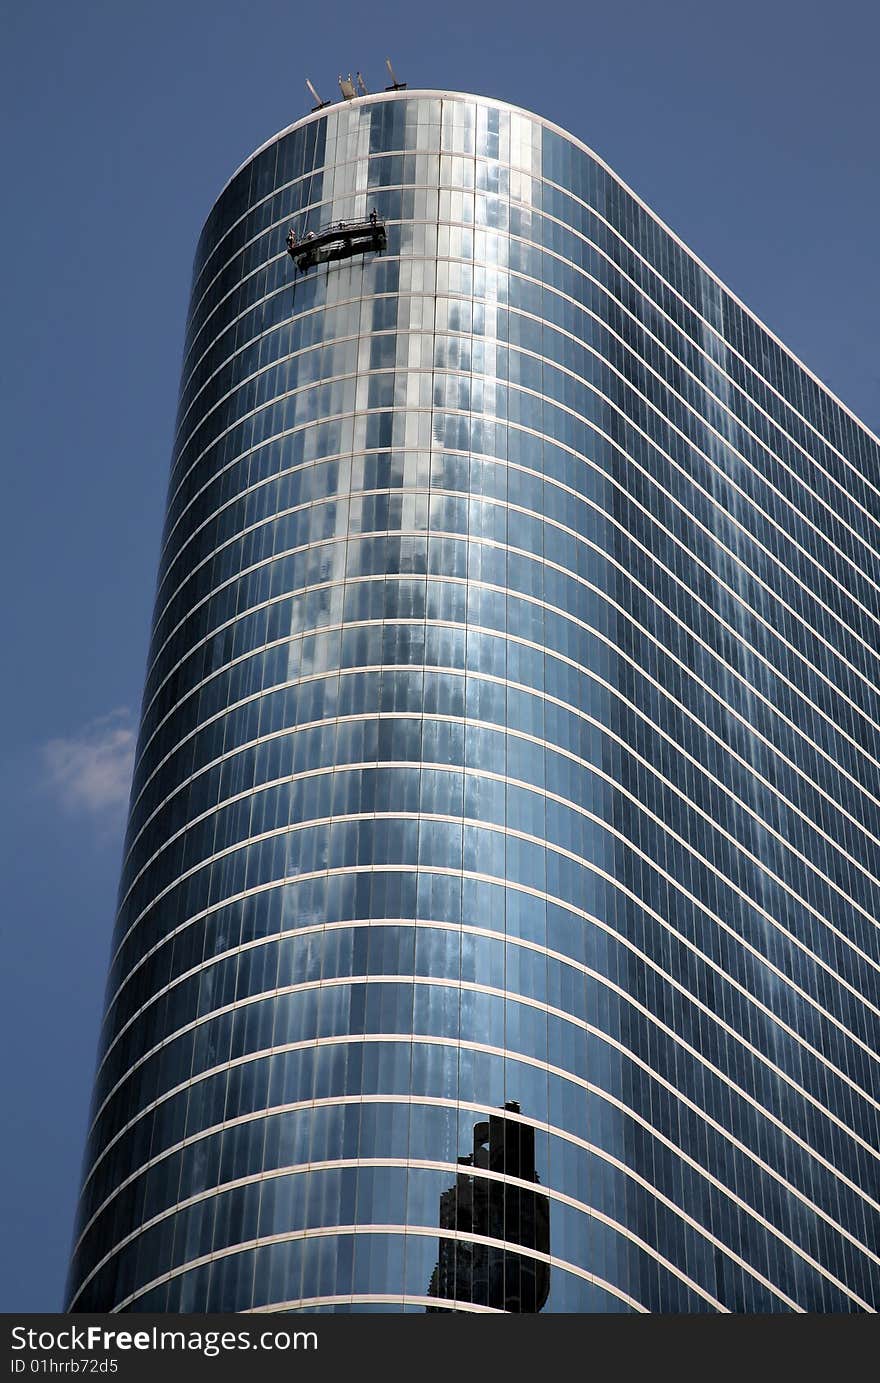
column 342, row 241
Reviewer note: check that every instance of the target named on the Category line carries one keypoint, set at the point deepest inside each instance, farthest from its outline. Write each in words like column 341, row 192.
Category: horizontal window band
column 606, row 478
column 565, row 620
column 516, row 468
column 586, row 1027
column 460, row 1105
column 470, row 771
column 461, row 583
column 836, row 805
column 545, row 1189
column 437, row 492
column 371, row 1298
column 454, row 1170
column 568, row 905
column 554, row 746
column 546, row 1128
column 689, row 847
column 697, row 316
column 535, row 947
column 159, row 615
column 508, row 637
column 337, row 1230
column 583, row 343
column 668, row 424
column 558, row 850
column 620, row 306
column 559, row 957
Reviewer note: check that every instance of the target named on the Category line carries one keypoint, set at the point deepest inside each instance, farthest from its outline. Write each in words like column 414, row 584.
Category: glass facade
column 498, row 920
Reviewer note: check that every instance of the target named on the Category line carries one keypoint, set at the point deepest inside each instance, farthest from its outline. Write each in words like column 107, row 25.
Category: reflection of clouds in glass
column 92, row 769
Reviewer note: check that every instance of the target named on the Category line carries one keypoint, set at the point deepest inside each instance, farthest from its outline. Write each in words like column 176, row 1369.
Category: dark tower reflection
column 483, row 1273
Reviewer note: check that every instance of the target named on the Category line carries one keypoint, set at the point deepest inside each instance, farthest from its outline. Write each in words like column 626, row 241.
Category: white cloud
column 92, row 770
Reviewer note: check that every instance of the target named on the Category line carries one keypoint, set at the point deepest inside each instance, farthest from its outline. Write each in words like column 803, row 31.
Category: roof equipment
column 319, row 104
column 395, row 84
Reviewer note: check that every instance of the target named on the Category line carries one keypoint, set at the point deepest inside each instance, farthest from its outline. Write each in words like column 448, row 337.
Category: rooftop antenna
column 395, row 84
column 346, row 86
column 319, row 104
column 362, row 86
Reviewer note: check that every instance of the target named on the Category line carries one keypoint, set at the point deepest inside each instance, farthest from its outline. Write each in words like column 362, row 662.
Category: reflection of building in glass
column 510, row 728
column 497, row 1208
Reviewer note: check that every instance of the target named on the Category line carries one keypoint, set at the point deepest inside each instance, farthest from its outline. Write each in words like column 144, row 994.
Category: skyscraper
column 498, row 918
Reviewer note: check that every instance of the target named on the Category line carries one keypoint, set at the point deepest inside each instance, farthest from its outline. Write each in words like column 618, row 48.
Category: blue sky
column 750, row 128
